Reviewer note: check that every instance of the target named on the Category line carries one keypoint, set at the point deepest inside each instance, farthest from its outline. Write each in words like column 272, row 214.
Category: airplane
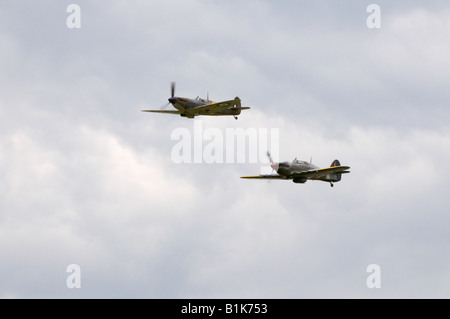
column 191, row 108
column 301, row 171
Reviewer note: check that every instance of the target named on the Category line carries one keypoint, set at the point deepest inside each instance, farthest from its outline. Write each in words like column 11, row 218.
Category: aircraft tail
column 237, row 106
column 335, row 163
column 337, row 176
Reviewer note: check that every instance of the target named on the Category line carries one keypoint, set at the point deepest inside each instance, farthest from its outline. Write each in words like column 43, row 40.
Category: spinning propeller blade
column 270, row 157
column 172, row 89
column 274, row 165
column 164, row 106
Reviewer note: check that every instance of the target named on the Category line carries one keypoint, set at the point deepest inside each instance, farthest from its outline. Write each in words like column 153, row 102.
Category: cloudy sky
column 86, row 178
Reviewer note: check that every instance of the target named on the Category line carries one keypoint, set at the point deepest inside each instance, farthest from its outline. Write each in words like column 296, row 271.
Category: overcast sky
column 86, row 178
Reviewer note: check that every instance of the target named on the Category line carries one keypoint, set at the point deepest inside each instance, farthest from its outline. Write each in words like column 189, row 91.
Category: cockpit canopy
column 299, row 161
column 303, row 163
column 198, row 98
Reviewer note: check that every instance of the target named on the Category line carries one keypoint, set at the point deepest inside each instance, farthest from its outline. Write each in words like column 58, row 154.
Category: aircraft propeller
column 172, row 94
column 274, row 165
column 164, row 106
column 270, row 157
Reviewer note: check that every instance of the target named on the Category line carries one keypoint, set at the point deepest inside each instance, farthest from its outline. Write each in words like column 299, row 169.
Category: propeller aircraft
column 301, row 171
column 191, row 108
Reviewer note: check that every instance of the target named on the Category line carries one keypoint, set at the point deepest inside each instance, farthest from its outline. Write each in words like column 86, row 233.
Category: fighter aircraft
column 191, row 108
column 301, row 171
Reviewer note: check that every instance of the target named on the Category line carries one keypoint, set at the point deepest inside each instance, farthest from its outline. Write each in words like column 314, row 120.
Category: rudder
column 337, row 176
column 335, row 163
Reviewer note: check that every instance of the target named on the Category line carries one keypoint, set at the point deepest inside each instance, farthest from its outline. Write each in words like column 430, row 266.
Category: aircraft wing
column 163, row 111
column 264, row 177
column 316, row 173
column 213, row 107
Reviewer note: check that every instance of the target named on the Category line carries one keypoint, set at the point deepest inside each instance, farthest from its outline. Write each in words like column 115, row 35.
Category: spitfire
column 300, row 171
column 191, row 108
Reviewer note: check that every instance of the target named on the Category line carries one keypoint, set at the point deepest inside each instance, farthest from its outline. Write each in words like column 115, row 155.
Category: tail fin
column 237, row 105
column 337, row 176
column 335, row 163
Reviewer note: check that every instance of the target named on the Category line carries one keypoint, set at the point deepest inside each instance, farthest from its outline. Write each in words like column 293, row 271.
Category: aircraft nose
column 275, row 166
column 172, row 100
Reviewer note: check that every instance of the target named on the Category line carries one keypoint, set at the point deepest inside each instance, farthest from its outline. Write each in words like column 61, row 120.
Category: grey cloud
column 87, row 178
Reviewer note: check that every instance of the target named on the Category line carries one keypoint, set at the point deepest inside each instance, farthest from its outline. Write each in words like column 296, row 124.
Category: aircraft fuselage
column 182, row 104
